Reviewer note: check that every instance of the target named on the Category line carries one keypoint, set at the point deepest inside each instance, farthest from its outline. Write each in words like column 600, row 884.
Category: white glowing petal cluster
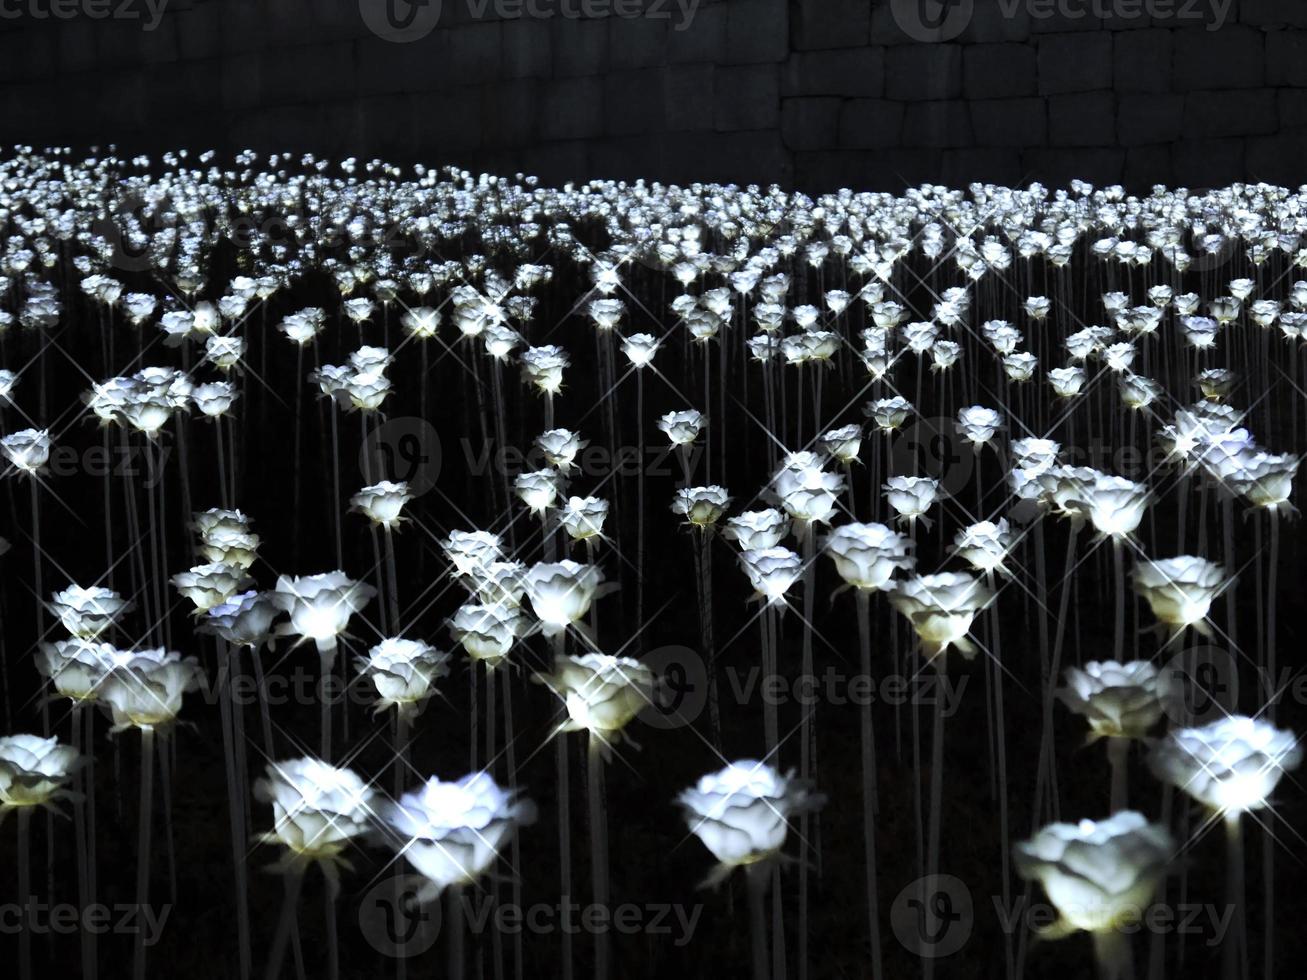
column 843, row 444
column 1117, row 700
column 243, row 620
column 978, row 424
column 316, row 808
column 560, row 448
column 867, row 555
column 487, row 632
column 583, row 517
column 77, row 667
column 602, row 692
column 701, row 506
column 1233, row 764
column 757, row 529
column 210, row 584
column 1101, row 874
column 682, row 428
column 911, row 496
column 320, row 606
column 451, row 832
column 806, row 491
column 28, row 450
column 470, row 551
column 985, row 545
column 87, row 612
column 33, row 770
column 941, row 608
column 1180, row 590
column 144, row 690
column 1116, row 505
column 742, row 814
column 404, row 672
column 561, row 592
column 382, row 503
column 771, row 572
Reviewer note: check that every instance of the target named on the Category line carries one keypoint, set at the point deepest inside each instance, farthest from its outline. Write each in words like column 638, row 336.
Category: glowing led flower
column 33, row 770
column 451, row 832
column 583, row 517
column 1117, row 700
column 28, row 450
column 941, row 609
column 404, row 672
column 755, row 530
column 1180, row 590
column 317, row 809
column 771, row 572
column 320, row 606
column 602, row 693
column 145, row 690
column 561, row 593
column 701, row 506
column 382, row 502
column 682, row 428
column 867, row 555
column 86, row 613
column 742, row 814
column 1230, row 765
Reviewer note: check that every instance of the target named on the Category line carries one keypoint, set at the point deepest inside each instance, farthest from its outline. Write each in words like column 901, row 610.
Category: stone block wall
column 810, row 93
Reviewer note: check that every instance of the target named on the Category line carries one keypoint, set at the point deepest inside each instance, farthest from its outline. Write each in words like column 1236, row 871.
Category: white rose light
column 978, row 425
column 561, row 593
column 985, row 546
column 941, row 609
column 1101, row 876
column 33, row 771
column 28, row 450
column 772, row 572
column 382, row 503
column 843, row 443
column 560, row 447
column 1231, row 765
column 806, row 491
column 682, row 428
column 487, row 632
column 86, row 613
column 1180, row 591
column 867, row 555
column 144, row 690
column 320, row 608
column 452, row 832
column 211, row 584
column 701, row 506
column 911, row 497
column 640, row 349
column 538, row 490
column 404, row 673
column 583, row 518
column 757, row 529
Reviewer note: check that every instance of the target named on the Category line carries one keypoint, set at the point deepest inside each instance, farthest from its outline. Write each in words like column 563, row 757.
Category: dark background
column 810, row 93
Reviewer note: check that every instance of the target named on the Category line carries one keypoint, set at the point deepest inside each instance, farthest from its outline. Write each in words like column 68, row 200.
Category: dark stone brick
column 1292, row 104
column 831, row 23
column 1082, row 119
column 743, row 157
column 851, row 72
column 1273, row 13
column 474, row 52
column 241, row 81
column 456, row 120
column 509, row 113
column 528, row 48
column 757, row 31
column 1149, row 118
column 963, row 166
column 76, row 41
column 688, row 98
column 1061, row 17
column 637, row 42
column 992, row 23
column 385, row 67
column 998, row 71
column 937, row 124
column 625, row 157
column 1286, row 58
column 1214, row 114
column 881, row 170
column 1224, row 59
column 26, row 54
column 870, row 123
column 580, row 46
column 572, row 108
column 1009, row 122
column 297, row 75
column 703, row 40
column 810, row 123
column 635, row 102
column 1146, row 166
column 1074, row 63
column 1277, row 159
column 1058, row 167
column 1207, row 163
column 924, row 72
column 1142, row 61
column 746, row 97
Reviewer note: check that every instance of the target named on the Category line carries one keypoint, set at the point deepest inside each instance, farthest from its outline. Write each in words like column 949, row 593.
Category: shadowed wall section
column 812, row 93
